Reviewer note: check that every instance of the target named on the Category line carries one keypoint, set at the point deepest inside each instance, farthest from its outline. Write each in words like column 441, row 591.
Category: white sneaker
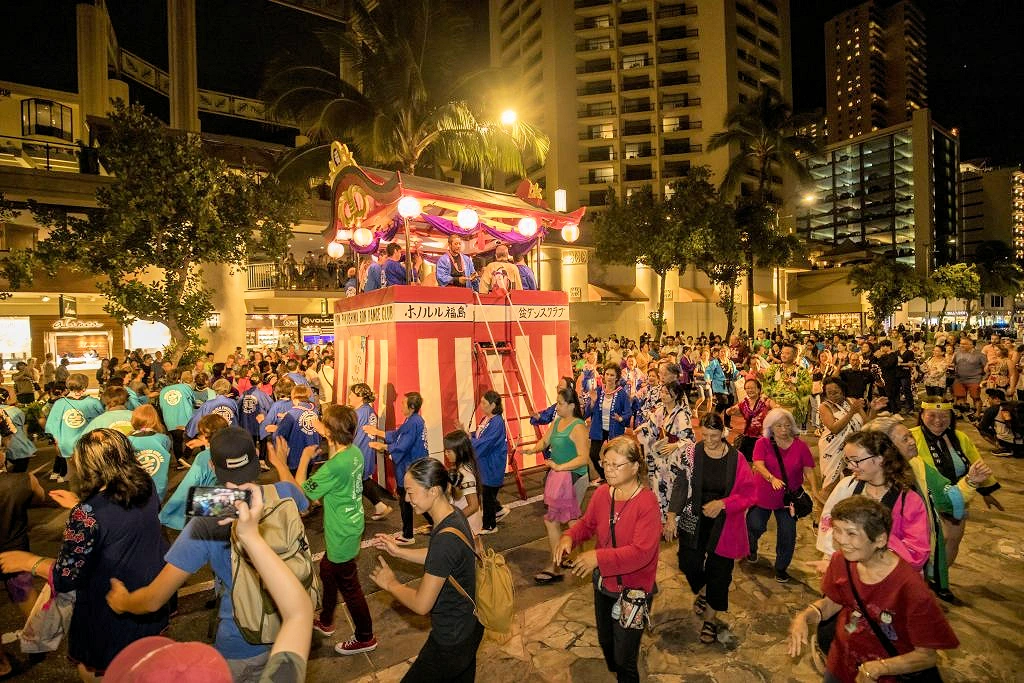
column 53, row 476
column 501, row 514
column 485, row 530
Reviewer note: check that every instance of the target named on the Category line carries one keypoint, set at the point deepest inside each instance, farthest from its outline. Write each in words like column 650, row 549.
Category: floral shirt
column 673, row 428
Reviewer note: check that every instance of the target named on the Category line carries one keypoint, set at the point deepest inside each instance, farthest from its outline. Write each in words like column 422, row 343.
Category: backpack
column 495, row 593
column 255, row 613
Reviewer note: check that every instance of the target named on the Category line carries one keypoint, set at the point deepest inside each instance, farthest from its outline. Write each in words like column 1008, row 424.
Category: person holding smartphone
column 205, row 541
column 158, row 657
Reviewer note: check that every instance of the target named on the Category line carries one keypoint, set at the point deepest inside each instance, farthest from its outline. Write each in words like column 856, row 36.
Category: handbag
column 633, row 607
column 929, row 675
column 798, row 500
column 48, row 621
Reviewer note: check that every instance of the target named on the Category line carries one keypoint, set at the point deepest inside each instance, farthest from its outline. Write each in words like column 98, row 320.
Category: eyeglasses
column 851, row 463
column 614, row 466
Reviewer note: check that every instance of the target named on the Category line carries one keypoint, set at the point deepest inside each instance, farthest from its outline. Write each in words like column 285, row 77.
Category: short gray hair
column 776, row 414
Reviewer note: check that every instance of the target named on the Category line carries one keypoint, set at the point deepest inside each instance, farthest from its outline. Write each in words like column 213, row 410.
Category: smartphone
column 214, row 501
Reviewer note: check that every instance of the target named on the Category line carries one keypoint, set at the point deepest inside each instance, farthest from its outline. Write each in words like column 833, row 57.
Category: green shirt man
column 339, row 482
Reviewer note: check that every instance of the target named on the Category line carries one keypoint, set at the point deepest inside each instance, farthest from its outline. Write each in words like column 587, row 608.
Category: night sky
column 975, row 57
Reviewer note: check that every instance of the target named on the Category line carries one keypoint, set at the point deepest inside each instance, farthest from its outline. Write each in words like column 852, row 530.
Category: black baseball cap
column 234, row 457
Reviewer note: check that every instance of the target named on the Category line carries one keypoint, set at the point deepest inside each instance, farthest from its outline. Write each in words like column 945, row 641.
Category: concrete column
column 228, row 294
column 91, row 34
column 181, row 42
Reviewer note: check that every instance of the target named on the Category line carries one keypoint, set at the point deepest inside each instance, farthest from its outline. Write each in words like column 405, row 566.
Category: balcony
column 670, row 149
column 594, row 45
column 641, row 153
column 595, row 111
column 42, row 155
column 636, row 62
column 676, row 33
column 595, row 67
column 634, row 39
column 598, row 180
column 595, row 89
column 680, row 104
column 634, row 17
column 636, row 107
column 639, row 173
column 637, row 84
column 674, row 56
column 598, row 154
column 594, row 22
column 598, row 134
column 681, row 126
column 271, row 276
column 637, row 130
column 682, row 78
column 676, row 11
column 582, row 4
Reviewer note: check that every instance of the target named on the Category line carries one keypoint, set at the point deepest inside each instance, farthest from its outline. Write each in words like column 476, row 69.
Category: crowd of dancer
column 686, row 440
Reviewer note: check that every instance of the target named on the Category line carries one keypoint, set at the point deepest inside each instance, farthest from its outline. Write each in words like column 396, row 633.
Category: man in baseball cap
column 234, row 457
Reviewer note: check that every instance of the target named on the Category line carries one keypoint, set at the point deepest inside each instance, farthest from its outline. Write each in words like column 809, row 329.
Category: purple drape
column 517, row 243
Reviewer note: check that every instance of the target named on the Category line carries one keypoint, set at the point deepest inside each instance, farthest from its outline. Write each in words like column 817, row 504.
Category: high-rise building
column 632, row 96
column 892, row 193
column 875, row 71
column 992, row 206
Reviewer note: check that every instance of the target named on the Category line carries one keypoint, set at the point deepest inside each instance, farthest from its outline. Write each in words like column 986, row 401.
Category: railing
column 587, row 46
column 681, row 126
column 580, row 4
column 594, row 68
column 607, row 155
column 597, row 135
column 682, row 149
column 48, row 156
column 676, row 11
column 637, row 85
column 598, row 180
column 690, row 102
column 267, row 276
column 606, row 111
column 636, row 108
column 598, row 89
column 638, row 131
column 679, row 79
column 677, row 33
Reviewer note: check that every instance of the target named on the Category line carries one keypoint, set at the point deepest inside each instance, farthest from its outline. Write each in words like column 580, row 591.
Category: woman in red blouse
column 889, row 622
column 624, row 516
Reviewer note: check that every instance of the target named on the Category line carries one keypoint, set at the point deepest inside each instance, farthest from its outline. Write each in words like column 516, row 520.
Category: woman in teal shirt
column 152, row 445
column 570, row 448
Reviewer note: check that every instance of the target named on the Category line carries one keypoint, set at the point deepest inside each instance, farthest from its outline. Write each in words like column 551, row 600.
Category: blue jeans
column 785, row 538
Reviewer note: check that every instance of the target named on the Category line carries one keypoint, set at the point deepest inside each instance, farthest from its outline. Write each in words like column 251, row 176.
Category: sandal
column 708, row 633
column 700, row 605
column 566, row 564
column 545, row 577
column 378, row 516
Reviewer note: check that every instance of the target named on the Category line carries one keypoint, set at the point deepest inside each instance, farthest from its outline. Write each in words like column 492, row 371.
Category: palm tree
column 763, row 131
column 388, row 82
column 998, row 272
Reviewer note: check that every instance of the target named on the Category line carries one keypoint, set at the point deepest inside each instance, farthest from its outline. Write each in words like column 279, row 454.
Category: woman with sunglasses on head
column 881, row 473
column 887, row 623
column 624, row 517
column 710, row 498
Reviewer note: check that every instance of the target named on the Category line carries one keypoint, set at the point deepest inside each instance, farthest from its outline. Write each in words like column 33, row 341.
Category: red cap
column 161, row 660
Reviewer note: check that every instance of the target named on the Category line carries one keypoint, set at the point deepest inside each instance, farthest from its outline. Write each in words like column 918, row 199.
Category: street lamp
column 408, row 207
column 213, row 322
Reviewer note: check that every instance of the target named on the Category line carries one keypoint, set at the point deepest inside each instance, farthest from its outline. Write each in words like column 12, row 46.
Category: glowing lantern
column 335, row 250
column 467, row 219
column 571, row 232
column 362, row 237
column 527, row 226
column 409, row 207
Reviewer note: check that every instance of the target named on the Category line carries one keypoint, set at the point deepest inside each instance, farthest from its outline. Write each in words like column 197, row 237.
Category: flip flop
column 545, row 577
column 378, row 516
column 566, row 564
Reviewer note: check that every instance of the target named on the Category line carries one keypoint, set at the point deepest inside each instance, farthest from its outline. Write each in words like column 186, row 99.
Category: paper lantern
column 409, row 207
column 527, row 226
column 467, row 219
column 362, row 237
column 571, row 232
column 335, row 250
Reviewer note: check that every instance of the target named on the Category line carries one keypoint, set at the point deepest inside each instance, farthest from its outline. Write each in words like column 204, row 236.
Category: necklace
column 719, row 450
column 872, row 490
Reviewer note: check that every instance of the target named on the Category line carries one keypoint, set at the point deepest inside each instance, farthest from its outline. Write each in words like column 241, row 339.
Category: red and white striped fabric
column 408, row 338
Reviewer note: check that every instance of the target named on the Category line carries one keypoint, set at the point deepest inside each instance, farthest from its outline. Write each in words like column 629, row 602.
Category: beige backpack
column 495, row 594
column 256, row 615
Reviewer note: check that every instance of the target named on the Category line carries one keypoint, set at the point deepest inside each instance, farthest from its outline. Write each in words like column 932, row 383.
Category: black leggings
column 621, row 646
column 595, row 454
column 704, row 567
column 372, row 491
column 436, row 662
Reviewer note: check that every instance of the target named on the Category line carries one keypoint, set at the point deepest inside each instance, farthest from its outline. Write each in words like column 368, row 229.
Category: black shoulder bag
column 929, row 675
column 798, row 499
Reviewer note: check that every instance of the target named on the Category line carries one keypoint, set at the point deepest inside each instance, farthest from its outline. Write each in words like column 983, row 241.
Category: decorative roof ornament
column 340, row 158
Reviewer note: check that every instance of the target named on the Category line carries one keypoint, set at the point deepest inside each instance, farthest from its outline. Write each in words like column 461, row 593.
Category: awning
column 689, row 296
column 612, row 293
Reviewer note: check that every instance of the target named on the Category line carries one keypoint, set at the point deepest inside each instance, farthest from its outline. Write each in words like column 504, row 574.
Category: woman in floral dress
column 665, row 437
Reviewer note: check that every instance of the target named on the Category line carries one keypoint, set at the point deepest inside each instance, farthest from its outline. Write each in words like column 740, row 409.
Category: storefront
column 316, row 330
column 15, row 341
column 148, row 336
column 271, row 330
column 83, row 341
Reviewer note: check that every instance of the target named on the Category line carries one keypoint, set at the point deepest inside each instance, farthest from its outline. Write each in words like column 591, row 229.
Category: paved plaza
column 554, row 638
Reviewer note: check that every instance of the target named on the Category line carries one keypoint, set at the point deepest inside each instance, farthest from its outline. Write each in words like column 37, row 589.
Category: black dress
column 103, row 540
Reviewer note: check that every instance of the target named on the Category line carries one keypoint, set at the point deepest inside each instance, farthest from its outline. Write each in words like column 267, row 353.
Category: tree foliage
column 953, row 281
column 997, row 269
column 643, row 229
column 389, row 81
column 763, row 130
column 888, row 286
column 173, row 209
column 16, row 265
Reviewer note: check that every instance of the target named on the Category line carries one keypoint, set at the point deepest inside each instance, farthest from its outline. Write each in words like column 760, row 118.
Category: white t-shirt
column 467, row 487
